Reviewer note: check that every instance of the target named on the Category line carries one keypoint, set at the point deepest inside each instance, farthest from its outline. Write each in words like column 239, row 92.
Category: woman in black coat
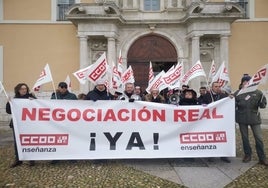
column 22, row 91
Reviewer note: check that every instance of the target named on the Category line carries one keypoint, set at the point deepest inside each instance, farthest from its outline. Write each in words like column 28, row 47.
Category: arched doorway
column 154, row 48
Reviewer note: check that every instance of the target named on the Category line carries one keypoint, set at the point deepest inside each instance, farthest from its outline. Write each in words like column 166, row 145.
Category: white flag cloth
column 157, row 83
column 120, row 64
column 260, row 77
column 80, row 75
column 117, row 84
column 98, row 69
column 128, row 76
column 222, row 76
column 172, row 77
column 212, row 71
column 171, row 68
column 151, row 73
column 1, row 87
column 195, row 71
column 68, row 82
column 44, row 78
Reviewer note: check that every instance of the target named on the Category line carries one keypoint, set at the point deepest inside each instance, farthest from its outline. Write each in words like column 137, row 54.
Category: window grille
column 243, row 4
column 62, row 7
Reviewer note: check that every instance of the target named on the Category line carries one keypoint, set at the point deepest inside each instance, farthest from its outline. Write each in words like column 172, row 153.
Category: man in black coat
column 213, row 95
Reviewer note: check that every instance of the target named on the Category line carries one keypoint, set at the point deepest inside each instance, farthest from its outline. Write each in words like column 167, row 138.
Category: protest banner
column 64, row 130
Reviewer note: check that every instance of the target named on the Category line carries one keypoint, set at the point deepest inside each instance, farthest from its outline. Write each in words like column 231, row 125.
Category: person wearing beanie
column 99, row 92
column 247, row 114
column 245, row 77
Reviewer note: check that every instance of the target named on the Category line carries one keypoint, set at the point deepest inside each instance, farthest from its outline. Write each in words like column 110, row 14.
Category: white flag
column 117, row 84
column 128, row 76
column 44, row 78
column 151, row 73
column 68, row 82
column 212, row 71
column 222, row 76
column 120, row 64
column 98, row 69
column 171, row 68
column 2, row 89
column 195, row 71
column 172, row 77
column 260, row 77
column 157, row 83
column 80, row 75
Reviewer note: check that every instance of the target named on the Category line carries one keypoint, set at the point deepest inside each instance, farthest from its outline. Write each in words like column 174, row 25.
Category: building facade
column 72, row 34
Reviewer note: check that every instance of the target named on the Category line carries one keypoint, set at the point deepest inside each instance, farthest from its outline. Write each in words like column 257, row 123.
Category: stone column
column 84, row 88
column 125, row 4
column 224, row 50
column 179, row 4
column 169, row 4
column 111, row 50
column 195, row 84
column 136, row 4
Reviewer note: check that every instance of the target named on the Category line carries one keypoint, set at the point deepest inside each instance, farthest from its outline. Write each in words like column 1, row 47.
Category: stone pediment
column 111, row 11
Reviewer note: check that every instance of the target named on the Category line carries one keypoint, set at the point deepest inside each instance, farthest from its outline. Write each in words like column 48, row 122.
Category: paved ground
column 198, row 173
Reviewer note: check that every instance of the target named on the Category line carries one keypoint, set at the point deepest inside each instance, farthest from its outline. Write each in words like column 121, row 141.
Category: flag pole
column 53, row 84
column 4, row 91
column 54, row 88
column 210, row 92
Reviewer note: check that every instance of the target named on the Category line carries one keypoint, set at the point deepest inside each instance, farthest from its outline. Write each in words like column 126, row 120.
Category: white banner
column 66, row 129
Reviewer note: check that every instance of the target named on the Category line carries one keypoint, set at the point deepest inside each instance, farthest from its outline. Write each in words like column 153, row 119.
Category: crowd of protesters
column 247, row 106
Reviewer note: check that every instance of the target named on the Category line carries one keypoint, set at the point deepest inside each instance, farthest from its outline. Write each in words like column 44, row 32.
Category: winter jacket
column 158, row 99
column 8, row 108
column 247, row 107
column 67, row 96
column 96, row 94
column 210, row 97
column 185, row 101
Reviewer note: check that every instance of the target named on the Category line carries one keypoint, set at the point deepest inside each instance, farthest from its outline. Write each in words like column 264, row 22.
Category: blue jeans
column 256, row 130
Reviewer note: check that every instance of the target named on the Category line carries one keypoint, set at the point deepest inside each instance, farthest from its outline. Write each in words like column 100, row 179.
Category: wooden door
column 152, row 48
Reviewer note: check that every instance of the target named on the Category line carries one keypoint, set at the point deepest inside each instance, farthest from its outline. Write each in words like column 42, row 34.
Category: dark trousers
column 256, row 130
column 15, row 146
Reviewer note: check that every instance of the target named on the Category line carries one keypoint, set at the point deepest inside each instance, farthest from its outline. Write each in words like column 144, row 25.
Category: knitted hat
column 100, row 82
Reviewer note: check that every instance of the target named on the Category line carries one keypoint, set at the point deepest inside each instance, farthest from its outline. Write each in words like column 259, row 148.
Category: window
column 242, row 3
column 151, row 5
column 62, row 7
